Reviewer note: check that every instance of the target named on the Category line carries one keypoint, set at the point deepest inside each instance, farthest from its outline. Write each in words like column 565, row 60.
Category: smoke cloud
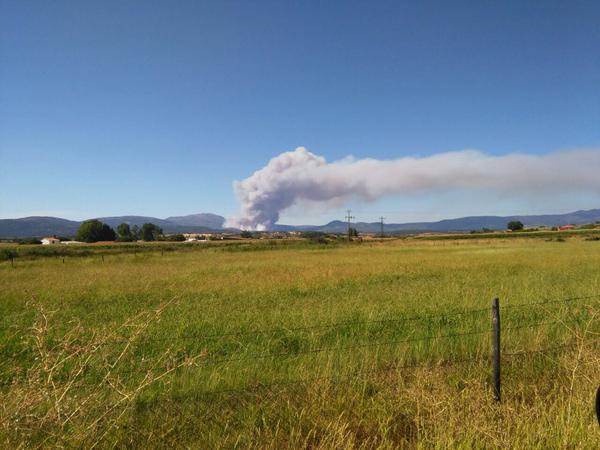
column 299, row 175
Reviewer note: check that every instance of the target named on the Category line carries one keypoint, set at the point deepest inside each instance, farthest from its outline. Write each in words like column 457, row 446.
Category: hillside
column 459, row 224
column 207, row 222
column 43, row 226
column 203, row 219
column 37, row 226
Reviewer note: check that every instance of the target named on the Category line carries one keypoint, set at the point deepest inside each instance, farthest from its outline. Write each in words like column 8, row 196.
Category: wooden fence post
column 496, row 346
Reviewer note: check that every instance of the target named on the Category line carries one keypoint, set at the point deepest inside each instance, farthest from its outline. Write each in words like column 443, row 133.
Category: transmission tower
column 349, row 218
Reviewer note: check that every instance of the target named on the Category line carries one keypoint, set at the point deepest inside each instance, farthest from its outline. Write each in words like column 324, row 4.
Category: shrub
column 515, row 225
column 6, row 254
column 312, row 234
column 30, row 241
column 171, row 238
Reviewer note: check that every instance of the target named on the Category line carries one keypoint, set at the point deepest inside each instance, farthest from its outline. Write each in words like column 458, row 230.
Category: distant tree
column 312, row 234
column 94, row 231
column 150, row 232
column 108, row 234
column 353, row 232
column 30, row 241
column 246, row 234
column 124, row 232
column 135, row 233
column 171, row 237
column 89, row 231
column 515, row 225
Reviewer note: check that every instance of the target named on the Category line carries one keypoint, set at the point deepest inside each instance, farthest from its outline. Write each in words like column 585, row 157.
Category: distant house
column 50, row 240
column 566, row 227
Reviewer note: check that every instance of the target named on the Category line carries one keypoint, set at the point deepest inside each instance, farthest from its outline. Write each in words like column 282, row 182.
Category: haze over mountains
column 207, row 222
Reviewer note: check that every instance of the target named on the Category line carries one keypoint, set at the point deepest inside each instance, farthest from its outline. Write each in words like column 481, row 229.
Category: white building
column 50, row 240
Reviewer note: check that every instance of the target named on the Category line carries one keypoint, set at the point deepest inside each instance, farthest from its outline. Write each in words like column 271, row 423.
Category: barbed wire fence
column 493, row 360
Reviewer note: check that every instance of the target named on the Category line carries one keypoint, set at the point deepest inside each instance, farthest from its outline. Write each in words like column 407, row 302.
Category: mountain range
column 207, row 222
column 49, row 226
column 460, row 224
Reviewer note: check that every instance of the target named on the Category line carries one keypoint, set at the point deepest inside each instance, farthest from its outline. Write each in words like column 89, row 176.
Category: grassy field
column 296, row 345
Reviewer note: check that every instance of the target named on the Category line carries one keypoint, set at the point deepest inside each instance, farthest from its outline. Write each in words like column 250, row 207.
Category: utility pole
column 381, row 221
column 349, row 217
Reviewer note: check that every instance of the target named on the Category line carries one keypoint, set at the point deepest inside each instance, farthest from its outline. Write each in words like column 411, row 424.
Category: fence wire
column 182, row 362
column 341, row 324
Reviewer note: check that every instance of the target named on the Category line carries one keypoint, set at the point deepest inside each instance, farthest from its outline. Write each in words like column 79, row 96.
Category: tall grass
column 302, row 346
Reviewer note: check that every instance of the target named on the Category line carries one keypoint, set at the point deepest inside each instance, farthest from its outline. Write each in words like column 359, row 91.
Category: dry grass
column 101, row 354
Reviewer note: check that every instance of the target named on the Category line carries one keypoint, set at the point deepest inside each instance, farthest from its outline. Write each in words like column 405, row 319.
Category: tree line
column 94, row 231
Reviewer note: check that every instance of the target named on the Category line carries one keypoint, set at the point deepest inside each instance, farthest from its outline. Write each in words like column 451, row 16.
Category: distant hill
column 459, row 224
column 194, row 223
column 44, row 226
column 206, row 223
column 37, row 226
column 203, row 220
column 134, row 220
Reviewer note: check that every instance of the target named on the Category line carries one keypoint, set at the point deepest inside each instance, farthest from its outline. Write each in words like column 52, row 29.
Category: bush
column 515, row 225
column 312, row 234
column 172, row 238
column 6, row 254
column 30, row 241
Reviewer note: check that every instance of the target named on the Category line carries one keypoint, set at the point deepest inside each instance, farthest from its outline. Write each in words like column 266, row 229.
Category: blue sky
column 155, row 108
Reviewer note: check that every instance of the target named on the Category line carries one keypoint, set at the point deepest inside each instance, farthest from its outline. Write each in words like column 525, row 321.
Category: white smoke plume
column 300, row 175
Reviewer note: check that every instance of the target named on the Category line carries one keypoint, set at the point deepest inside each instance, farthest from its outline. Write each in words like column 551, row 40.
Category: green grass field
column 300, row 345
